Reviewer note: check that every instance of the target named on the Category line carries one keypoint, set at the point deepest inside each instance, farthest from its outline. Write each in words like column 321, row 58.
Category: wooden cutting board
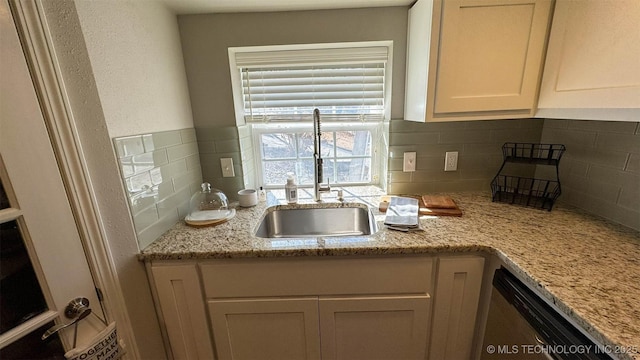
column 438, row 202
column 424, row 210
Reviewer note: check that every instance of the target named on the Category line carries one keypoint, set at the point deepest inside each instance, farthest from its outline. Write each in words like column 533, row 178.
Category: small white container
column 247, row 197
column 291, row 189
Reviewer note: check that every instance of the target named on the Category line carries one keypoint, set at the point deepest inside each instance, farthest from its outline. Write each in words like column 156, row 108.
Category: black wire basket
column 526, row 191
column 531, row 192
column 544, row 154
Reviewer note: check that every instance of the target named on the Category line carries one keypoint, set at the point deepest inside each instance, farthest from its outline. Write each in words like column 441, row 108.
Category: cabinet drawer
column 318, row 276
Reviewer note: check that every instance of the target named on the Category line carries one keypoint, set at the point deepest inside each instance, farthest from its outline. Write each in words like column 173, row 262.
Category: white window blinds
column 344, row 83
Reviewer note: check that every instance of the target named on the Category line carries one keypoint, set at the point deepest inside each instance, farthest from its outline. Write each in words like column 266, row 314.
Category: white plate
column 209, row 215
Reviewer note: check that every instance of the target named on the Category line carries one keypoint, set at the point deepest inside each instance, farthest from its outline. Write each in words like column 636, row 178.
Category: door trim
column 44, row 68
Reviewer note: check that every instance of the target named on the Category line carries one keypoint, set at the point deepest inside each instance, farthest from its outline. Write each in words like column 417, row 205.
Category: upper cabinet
column 592, row 69
column 475, row 59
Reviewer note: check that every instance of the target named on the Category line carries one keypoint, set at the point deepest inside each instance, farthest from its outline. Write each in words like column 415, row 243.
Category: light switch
column 409, row 163
column 227, row 167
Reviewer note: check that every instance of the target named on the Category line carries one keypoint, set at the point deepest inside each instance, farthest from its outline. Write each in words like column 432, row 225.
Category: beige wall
column 205, row 39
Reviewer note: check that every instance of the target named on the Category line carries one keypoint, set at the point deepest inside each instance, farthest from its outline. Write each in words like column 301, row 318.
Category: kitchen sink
column 351, row 219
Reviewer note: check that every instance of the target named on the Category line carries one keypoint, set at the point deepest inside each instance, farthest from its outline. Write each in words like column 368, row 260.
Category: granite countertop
column 589, row 267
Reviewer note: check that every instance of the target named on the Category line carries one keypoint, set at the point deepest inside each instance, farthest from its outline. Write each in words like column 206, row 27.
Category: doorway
column 38, row 231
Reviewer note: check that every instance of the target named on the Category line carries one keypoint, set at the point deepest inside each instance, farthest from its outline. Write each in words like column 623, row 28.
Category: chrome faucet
column 318, row 186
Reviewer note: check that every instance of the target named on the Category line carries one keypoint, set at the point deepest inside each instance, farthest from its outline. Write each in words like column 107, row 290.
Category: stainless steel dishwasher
column 521, row 325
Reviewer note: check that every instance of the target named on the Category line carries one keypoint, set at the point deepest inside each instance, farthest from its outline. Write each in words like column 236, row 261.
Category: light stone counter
column 589, row 267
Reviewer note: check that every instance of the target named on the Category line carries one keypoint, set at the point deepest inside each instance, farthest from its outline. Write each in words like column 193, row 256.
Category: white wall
column 123, row 72
column 134, row 49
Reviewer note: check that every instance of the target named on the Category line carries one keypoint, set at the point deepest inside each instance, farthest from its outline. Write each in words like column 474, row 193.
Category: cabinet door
column 592, row 69
column 183, row 310
column 490, row 54
column 374, row 328
column 276, row 329
column 455, row 307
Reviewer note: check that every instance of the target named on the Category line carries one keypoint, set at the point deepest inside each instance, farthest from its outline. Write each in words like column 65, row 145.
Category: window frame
column 312, row 54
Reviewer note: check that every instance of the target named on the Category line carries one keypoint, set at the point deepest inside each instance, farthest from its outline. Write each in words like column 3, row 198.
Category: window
column 347, row 151
column 276, row 89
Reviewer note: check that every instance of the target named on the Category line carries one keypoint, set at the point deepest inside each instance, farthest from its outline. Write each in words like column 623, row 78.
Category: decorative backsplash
column 600, row 170
column 216, row 143
column 479, row 147
column 160, row 171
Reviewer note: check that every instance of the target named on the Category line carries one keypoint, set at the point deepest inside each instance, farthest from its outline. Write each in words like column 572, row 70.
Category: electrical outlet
column 451, row 161
column 227, row 167
column 409, row 163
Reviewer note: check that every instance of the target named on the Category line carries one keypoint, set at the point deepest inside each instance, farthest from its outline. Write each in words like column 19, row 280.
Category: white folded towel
column 402, row 213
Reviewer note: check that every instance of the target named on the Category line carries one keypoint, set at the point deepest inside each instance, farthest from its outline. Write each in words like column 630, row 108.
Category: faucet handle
column 325, row 187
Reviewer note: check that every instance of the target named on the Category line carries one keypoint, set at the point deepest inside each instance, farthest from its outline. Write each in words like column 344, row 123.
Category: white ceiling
column 226, row 6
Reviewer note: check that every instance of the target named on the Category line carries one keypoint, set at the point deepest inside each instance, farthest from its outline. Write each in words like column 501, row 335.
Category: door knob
column 55, row 329
column 77, row 309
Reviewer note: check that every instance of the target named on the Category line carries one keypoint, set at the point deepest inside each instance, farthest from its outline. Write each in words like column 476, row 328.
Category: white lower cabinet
column 180, row 307
column 348, row 328
column 374, row 328
column 319, row 308
column 458, row 284
column 266, row 328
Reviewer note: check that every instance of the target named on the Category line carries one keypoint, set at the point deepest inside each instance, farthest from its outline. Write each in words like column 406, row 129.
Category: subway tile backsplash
column 600, row 171
column 160, row 172
column 215, row 143
column 479, row 147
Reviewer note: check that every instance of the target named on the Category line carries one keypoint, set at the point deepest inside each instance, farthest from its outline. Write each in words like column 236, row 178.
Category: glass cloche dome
column 208, row 199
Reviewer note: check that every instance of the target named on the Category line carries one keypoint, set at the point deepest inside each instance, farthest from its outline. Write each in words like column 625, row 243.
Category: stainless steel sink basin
column 346, row 220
